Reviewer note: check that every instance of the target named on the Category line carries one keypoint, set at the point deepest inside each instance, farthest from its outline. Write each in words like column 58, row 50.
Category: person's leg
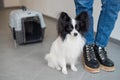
column 86, row 5
column 108, row 16
column 90, row 62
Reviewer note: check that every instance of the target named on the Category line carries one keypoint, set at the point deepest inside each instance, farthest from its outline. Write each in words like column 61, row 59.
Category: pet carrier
column 27, row 26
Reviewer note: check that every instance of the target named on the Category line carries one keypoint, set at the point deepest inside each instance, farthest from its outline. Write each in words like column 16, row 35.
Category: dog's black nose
column 75, row 34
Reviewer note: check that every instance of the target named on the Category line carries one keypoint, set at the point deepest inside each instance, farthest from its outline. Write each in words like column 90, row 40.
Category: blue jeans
column 106, row 22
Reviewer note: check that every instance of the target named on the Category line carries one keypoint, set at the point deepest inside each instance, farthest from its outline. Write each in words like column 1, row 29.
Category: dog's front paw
column 64, row 71
column 73, row 68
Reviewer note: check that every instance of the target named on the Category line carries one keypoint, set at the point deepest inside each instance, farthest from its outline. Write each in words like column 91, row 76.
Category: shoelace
column 90, row 53
column 102, row 53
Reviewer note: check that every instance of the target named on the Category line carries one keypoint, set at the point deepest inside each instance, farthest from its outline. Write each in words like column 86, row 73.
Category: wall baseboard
column 15, row 7
column 115, row 41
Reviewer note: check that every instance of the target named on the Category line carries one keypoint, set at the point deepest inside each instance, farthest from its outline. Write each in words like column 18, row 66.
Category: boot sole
column 108, row 69
column 89, row 69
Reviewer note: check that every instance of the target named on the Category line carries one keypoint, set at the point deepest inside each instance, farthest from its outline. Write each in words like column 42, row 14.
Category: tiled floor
column 27, row 62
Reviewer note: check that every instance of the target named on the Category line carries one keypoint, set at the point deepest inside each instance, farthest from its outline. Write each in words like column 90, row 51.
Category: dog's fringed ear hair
column 64, row 17
column 83, row 21
column 63, row 20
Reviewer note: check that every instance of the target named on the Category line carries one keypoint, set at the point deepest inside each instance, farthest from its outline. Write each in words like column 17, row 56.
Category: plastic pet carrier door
column 27, row 26
column 32, row 29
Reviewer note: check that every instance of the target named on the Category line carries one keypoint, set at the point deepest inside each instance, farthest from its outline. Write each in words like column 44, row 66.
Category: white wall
column 52, row 8
column 11, row 3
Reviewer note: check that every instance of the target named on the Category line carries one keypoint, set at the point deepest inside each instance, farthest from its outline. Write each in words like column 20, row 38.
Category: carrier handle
column 24, row 8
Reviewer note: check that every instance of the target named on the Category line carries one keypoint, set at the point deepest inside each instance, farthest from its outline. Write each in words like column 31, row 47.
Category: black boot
column 101, row 55
column 90, row 62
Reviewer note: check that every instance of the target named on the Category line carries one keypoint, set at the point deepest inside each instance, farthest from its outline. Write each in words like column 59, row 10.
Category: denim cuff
column 100, row 45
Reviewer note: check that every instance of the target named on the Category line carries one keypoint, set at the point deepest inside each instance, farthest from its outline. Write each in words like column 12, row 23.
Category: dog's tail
column 50, row 58
column 47, row 56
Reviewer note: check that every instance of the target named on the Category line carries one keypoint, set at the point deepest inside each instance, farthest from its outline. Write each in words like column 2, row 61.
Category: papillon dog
column 69, row 44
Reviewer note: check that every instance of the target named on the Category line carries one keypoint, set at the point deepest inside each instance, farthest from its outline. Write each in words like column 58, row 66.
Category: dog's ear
column 83, row 21
column 64, row 17
column 63, row 21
